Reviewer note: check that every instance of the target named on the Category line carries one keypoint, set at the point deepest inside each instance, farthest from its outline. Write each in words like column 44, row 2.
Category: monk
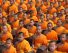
column 32, row 28
column 20, row 13
column 42, row 49
column 52, row 47
column 9, row 47
column 5, row 34
column 55, row 18
column 23, row 45
column 13, row 6
column 62, row 45
column 15, row 23
column 40, row 39
column 43, row 22
column 59, row 28
column 52, row 9
column 5, row 5
column 4, row 22
column 62, row 11
column 51, row 34
column 22, row 29
column 66, row 22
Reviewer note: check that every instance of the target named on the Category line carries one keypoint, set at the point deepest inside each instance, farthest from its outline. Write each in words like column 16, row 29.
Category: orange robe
column 66, row 26
column 52, row 35
column 24, row 6
column 13, row 8
column 23, row 47
column 60, row 30
column 10, row 50
column 53, row 10
column 63, row 48
column 40, row 40
column 25, row 31
column 6, row 5
column 6, row 36
column 32, row 30
column 44, row 25
column 15, row 24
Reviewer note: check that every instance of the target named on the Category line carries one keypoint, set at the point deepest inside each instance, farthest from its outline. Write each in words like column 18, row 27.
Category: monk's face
column 24, row 15
column 0, row 15
column 62, row 11
column 47, row 16
column 31, row 22
column 12, row 1
column 55, row 14
column 63, row 37
column 15, row 17
column 4, row 20
column 4, row 29
column 59, row 22
column 8, row 43
column 20, row 9
column 52, row 46
column 39, row 30
column 49, row 26
column 20, row 37
column 21, row 24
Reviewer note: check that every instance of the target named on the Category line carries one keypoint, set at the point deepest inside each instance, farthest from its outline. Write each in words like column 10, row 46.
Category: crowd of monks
column 33, row 26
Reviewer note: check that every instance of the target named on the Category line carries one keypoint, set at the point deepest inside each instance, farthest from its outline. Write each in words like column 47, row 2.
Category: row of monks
column 33, row 26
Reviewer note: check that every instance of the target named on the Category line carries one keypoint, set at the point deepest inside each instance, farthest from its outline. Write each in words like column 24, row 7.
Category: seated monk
column 4, row 22
column 22, row 45
column 5, row 34
column 51, row 34
column 22, row 29
column 9, row 47
column 32, row 28
column 15, row 23
column 66, row 22
column 52, row 47
column 40, row 39
column 62, row 44
column 59, row 28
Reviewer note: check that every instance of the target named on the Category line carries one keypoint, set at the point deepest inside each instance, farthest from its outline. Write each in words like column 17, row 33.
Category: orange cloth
column 52, row 35
column 6, row 5
column 10, row 50
column 6, row 36
column 60, row 8
column 60, row 30
column 24, row 6
column 63, row 48
column 18, row 1
column 63, row 18
column 25, row 31
column 40, row 40
column 32, row 30
column 53, row 10
column 0, row 2
column 66, row 25
column 26, row 21
column 23, row 47
column 34, row 18
column 15, row 24
column 44, row 8
column 13, row 8
column 9, row 28
column 20, row 16
column 44, row 25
